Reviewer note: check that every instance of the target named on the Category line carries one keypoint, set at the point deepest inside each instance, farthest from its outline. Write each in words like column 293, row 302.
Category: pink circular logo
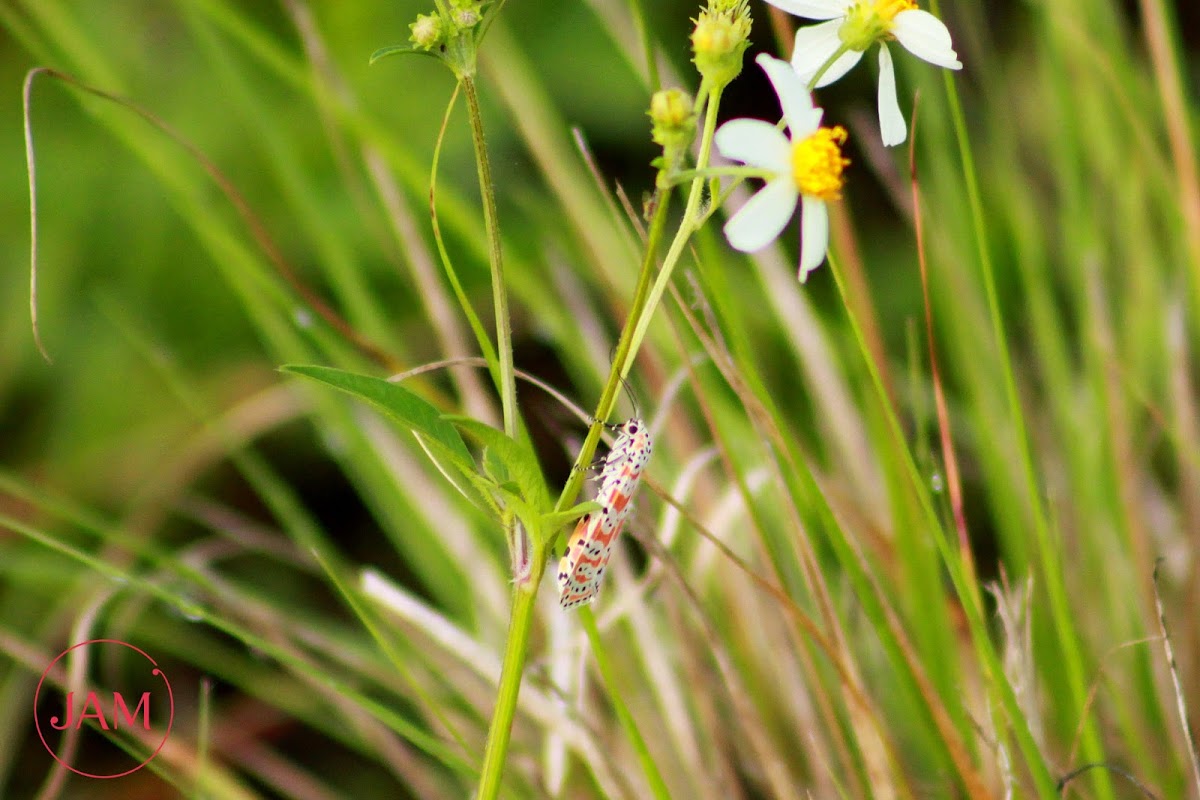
column 108, row 711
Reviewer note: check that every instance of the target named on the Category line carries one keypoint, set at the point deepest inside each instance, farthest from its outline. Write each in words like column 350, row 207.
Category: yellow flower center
column 868, row 21
column 817, row 163
column 887, row 10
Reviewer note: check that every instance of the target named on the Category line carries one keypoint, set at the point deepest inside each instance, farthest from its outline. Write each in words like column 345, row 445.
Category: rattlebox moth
column 590, row 545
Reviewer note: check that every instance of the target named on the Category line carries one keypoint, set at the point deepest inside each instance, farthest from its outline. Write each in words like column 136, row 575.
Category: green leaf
column 493, row 467
column 478, row 488
column 399, row 50
column 397, row 402
column 517, row 459
column 508, row 486
column 556, row 519
column 438, row 438
column 529, row 515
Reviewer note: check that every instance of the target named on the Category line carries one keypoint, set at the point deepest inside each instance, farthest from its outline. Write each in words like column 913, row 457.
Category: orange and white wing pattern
column 590, row 545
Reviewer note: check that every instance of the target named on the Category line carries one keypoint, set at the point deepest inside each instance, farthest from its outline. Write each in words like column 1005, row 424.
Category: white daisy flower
column 853, row 26
column 807, row 167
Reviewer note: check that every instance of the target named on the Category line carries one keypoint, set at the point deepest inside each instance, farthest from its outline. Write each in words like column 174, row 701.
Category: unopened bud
column 721, row 36
column 672, row 118
column 465, row 17
column 428, row 31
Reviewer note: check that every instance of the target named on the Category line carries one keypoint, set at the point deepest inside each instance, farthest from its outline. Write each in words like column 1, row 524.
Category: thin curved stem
column 507, row 387
column 687, row 226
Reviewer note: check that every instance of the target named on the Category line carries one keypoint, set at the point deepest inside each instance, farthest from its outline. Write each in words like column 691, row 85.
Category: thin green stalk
column 625, row 352
column 829, row 62
column 203, row 734
column 524, row 593
column 638, row 9
column 508, row 386
column 658, row 786
column 723, row 172
column 646, row 299
column 515, row 652
column 481, row 338
column 687, row 226
column 644, row 302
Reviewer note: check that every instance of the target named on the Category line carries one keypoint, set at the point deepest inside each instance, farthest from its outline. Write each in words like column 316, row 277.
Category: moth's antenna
column 632, row 400
column 628, row 391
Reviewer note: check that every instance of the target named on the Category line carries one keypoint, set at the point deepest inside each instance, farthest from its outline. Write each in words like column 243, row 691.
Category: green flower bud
column 428, row 31
column 673, row 127
column 672, row 118
column 465, row 17
column 721, row 36
column 466, row 14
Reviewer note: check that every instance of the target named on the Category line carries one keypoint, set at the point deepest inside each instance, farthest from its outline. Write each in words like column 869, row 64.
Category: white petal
column 814, row 234
column 814, row 9
column 806, row 125
column 816, row 44
column 758, row 222
column 926, row 37
column 754, row 142
column 797, row 104
column 891, row 120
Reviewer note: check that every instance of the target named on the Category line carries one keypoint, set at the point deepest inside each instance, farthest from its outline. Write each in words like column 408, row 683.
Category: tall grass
column 902, row 522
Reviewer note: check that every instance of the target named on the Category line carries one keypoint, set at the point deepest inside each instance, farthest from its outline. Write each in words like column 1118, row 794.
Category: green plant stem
column 829, row 62
column 638, row 10
column 645, row 301
column 1049, row 561
column 687, row 226
column 721, row 172
column 524, row 592
column 203, row 734
column 508, row 386
column 658, row 787
column 481, row 338
column 515, row 652
column 608, row 397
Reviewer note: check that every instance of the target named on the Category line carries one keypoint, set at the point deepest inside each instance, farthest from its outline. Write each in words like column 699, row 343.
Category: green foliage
column 397, row 402
column 397, row 50
column 515, row 469
column 850, row 573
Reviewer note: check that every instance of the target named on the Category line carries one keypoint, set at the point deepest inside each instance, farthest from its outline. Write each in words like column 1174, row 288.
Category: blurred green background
column 162, row 315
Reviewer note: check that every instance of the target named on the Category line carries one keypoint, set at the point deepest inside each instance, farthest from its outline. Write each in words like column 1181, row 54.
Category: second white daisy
column 852, row 26
column 803, row 167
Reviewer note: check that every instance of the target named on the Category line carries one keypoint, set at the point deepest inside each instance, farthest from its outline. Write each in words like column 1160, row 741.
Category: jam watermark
column 139, row 710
